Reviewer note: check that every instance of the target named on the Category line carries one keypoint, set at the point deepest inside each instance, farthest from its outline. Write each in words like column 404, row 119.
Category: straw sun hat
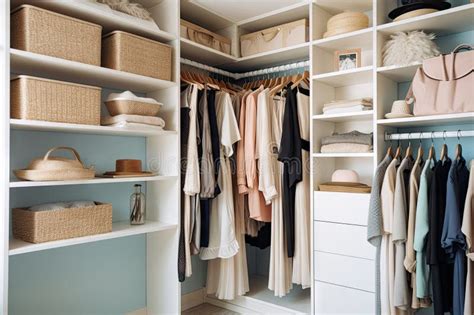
column 128, row 168
column 346, row 22
column 56, row 168
column 400, row 109
column 345, row 181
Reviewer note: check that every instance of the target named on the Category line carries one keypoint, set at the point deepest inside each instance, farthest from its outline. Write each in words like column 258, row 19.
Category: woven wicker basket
column 44, row 32
column 131, row 53
column 128, row 107
column 49, row 100
column 45, row 226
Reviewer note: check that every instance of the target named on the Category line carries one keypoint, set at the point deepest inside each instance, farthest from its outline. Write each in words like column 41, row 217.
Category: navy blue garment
column 453, row 240
column 291, row 157
column 263, row 238
column 440, row 266
column 215, row 140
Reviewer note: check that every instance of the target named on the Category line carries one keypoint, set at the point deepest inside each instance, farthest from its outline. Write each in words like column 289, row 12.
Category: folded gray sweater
column 349, row 137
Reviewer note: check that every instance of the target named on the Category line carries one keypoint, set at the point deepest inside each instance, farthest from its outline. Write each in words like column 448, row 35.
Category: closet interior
column 133, row 269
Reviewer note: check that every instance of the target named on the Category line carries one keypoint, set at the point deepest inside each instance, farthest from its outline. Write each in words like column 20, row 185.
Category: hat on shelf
column 128, row 168
column 400, row 109
column 50, row 168
column 412, row 8
column 346, row 22
column 345, row 181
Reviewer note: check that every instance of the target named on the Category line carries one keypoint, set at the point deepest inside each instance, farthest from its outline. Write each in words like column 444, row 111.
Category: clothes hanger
column 398, row 152
column 459, row 146
column 408, row 151
column 303, row 77
column 444, row 149
column 431, row 152
column 389, row 150
column 419, row 156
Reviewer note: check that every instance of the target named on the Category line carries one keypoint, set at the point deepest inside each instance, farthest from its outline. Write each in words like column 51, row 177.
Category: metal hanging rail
column 429, row 135
column 237, row 76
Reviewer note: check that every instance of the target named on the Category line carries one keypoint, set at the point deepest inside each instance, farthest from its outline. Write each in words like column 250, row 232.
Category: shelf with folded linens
column 343, row 155
column 344, row 117
column 109, row 19
column 119, row 229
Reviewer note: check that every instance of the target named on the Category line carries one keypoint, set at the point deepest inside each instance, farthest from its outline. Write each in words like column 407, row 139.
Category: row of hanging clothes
column 421, row 222
column 245, row 179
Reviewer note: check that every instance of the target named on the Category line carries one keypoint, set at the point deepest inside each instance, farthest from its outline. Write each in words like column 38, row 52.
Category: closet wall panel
column 334, row 299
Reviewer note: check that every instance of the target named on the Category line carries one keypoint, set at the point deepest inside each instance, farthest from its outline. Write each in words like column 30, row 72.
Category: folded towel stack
column 347, row 106
column 350, row 142
column 62, row 205
column 132, row 112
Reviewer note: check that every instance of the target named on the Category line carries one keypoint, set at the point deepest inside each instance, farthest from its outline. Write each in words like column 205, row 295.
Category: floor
column 205, row 309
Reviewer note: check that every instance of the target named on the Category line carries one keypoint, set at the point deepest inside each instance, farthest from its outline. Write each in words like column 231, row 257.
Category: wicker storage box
column 48, row 33
column 45, row 226
column 285, row 35
column 131, row 53
column 57, row 101
column 129, row 107
column 205, row 37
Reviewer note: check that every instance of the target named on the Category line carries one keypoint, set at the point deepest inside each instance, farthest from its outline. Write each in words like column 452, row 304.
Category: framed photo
column 347, row 59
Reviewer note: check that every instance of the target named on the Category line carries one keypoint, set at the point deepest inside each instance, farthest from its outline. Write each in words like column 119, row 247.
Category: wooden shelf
column 342, row 155
column 200, row 53
column 36, row 125
column 270, row 58
column 276, row 17
column 347, row 77
column 110, row 20
column 359, row 39
column 97, row 180
column 345, row 117
column 119, row 229
column 23, row 62
column 455, row 20
column 399, row 73
column 461, row 118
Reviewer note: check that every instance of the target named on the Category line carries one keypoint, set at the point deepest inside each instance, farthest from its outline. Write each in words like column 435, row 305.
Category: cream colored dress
column 302, row 256
column 280, row 272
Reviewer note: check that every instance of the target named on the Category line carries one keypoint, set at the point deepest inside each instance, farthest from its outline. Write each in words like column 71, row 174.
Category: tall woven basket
column 45, row 226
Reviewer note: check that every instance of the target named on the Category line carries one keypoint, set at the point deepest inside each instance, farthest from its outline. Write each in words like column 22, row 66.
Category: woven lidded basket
column 45, row 226
column 346, row 22
column 129, row 107
column 48, row 33
column 49, row 100
column 131, row 53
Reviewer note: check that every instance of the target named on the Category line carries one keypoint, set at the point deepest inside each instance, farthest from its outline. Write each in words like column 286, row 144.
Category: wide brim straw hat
column 56, row 168
column 345, row 181
column 346, row 22
column 128, row 168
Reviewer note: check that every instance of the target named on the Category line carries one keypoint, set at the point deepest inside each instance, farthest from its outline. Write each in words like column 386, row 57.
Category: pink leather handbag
column 444, row 84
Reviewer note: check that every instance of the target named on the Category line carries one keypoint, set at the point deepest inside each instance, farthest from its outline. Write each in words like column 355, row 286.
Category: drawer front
column 333, row 299
column 341, row 207
column 343, row 239
column 351, row 272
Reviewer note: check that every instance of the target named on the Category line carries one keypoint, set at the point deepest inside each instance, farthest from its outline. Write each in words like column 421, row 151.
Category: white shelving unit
column 161, row 232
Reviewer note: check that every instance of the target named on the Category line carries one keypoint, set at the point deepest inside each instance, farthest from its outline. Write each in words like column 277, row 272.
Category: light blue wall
column 107, row 277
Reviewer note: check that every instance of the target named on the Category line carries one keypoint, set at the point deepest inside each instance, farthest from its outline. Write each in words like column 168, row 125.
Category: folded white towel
column 346, row 148
column 135, row 126
column 351, row 109
column 348, row 103
column 147, row 120
column 62, row 205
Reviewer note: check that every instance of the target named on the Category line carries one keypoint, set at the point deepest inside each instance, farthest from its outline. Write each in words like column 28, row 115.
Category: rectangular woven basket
column 45, row 226
column 131, row 53
column 57, row 101
column 48, row 33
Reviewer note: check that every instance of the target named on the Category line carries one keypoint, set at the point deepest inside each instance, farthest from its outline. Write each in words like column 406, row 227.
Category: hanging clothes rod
column 429, row 135
column 237, row 76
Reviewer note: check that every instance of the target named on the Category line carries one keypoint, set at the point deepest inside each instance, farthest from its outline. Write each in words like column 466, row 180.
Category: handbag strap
column 75, row 153
column 463, row 47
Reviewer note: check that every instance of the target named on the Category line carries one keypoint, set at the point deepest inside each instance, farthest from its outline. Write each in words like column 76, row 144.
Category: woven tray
column 45, row 226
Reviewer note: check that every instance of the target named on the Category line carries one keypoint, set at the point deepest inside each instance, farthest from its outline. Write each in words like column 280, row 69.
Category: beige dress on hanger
column 302, row 256
column 280, row 272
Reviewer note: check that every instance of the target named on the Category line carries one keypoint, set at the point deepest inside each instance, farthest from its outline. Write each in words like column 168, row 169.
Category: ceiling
column 235, row 11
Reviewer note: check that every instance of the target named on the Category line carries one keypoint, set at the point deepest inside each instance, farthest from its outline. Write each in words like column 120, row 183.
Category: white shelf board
column 24, row 62
column 357, row 39
column 345, row 117
column 276, row 17
column 200, row 53
column 97, row 180
column 338, row 6
column 37, row 125
column 119, row 229
column 342, row 155
column 399, row 73
column 110, row 21
column 461, row 118
column 454, row 20
column 270, row 58
column 346, row 77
